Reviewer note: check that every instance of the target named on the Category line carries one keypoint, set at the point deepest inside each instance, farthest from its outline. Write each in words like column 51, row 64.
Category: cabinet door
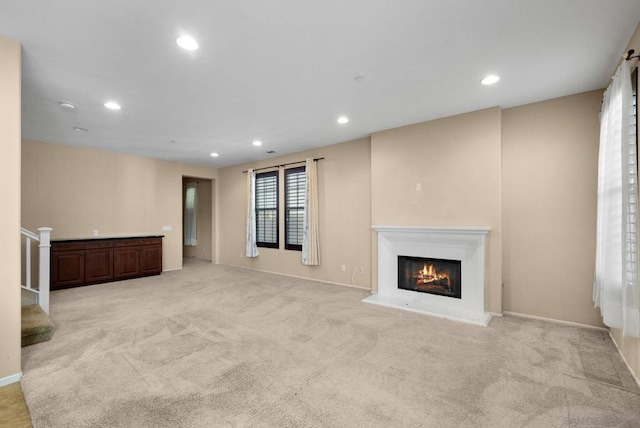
column 126, row 262
column 150, row 259
column 67, row 269
column 98, row 265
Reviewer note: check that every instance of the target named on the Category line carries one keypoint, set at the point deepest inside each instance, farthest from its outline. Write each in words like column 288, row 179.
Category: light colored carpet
column 213, row 346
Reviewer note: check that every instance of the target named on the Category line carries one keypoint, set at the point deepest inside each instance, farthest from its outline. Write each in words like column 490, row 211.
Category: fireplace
column 429, row 275
column 437, row 271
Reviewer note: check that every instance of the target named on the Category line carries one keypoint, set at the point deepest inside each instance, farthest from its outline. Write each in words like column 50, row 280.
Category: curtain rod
column 282, row 165
column 625, row 57
column 629, row 55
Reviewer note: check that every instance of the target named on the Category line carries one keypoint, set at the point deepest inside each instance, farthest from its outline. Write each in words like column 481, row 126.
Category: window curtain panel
column 190, row 220
column 615, row 289
column 310, row 237
column 251, row 249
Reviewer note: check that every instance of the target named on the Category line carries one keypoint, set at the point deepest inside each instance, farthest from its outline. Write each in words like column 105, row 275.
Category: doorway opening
column 197, row 219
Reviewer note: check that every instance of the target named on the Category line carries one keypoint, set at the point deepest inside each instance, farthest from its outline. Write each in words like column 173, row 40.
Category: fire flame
column 428, row 275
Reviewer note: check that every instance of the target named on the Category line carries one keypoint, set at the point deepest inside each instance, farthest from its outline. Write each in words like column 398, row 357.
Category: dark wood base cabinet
column 127, row 258
column 150, row 259
column 67, row 265
column 98, row 261
column 82, row 262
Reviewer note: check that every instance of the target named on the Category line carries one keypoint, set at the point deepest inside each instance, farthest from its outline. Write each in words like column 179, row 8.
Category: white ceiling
column 282, row 71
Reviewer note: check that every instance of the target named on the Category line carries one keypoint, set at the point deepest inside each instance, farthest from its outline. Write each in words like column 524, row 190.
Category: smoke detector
column 67, row 106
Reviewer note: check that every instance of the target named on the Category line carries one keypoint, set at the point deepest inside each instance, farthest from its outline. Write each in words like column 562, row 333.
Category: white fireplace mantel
column 466, row 244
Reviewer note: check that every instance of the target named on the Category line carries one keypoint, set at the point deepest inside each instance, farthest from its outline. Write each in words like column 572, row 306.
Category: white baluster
column 28, row 262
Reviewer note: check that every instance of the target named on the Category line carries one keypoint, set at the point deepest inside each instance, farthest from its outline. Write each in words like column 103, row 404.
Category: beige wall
column 344, row 204
column 456, row 161
column 204, row 215
column 76, row 190
column 10, row 210
column 630, row 346
column 549, row 182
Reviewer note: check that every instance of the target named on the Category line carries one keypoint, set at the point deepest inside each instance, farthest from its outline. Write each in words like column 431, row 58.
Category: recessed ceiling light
column 214, row 155
column 490, row 79
column 257, row 143
column 67, row 106
column 187, row 42
column 112, row 105
column 77, row 128
column 343, row 119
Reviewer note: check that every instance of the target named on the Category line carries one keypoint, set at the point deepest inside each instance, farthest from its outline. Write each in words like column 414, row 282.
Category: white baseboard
column 569, row 323
column 171, row 270
column 359, row 287
column 11, row 379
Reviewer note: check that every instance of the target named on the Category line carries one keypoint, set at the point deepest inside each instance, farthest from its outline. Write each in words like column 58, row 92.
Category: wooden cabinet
column 67, row 265
column 98, row 261
column 127, row 258
column 83, row 262
column 150, row 256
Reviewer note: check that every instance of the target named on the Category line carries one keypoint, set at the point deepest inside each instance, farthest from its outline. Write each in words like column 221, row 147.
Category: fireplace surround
column 463, row 245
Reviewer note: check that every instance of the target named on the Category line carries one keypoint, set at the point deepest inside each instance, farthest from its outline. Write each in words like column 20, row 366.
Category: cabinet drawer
column 150, row 241
column 98, row 244
column 126, row 243
column 67, row 246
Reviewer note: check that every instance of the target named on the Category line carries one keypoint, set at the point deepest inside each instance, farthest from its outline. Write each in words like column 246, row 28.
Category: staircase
column 36, row 325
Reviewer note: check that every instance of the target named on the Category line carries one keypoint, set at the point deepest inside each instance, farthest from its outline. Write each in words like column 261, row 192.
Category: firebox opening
column 427, row 275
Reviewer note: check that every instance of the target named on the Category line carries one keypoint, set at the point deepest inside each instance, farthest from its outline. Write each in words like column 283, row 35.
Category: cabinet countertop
column 97, row 238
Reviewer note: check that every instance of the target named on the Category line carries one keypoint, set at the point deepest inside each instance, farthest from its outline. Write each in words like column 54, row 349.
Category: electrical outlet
column 343, row 268
column 418, row 187
column 166, row 228
column 95, row 232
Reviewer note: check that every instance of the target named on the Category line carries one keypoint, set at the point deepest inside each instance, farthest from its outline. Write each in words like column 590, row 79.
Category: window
column 190, row 209
column 631, row 249
column 267, row 209
column 295, row 195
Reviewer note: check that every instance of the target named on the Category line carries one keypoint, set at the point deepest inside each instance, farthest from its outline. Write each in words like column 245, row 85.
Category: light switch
column 418, row 187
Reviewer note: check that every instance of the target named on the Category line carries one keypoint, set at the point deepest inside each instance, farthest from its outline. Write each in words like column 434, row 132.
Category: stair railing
column 44, row 239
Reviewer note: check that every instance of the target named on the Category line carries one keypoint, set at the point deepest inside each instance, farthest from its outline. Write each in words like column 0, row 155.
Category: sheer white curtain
column 615, row 289
column 190, row 208
column 251, row 249
column 310, row 238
